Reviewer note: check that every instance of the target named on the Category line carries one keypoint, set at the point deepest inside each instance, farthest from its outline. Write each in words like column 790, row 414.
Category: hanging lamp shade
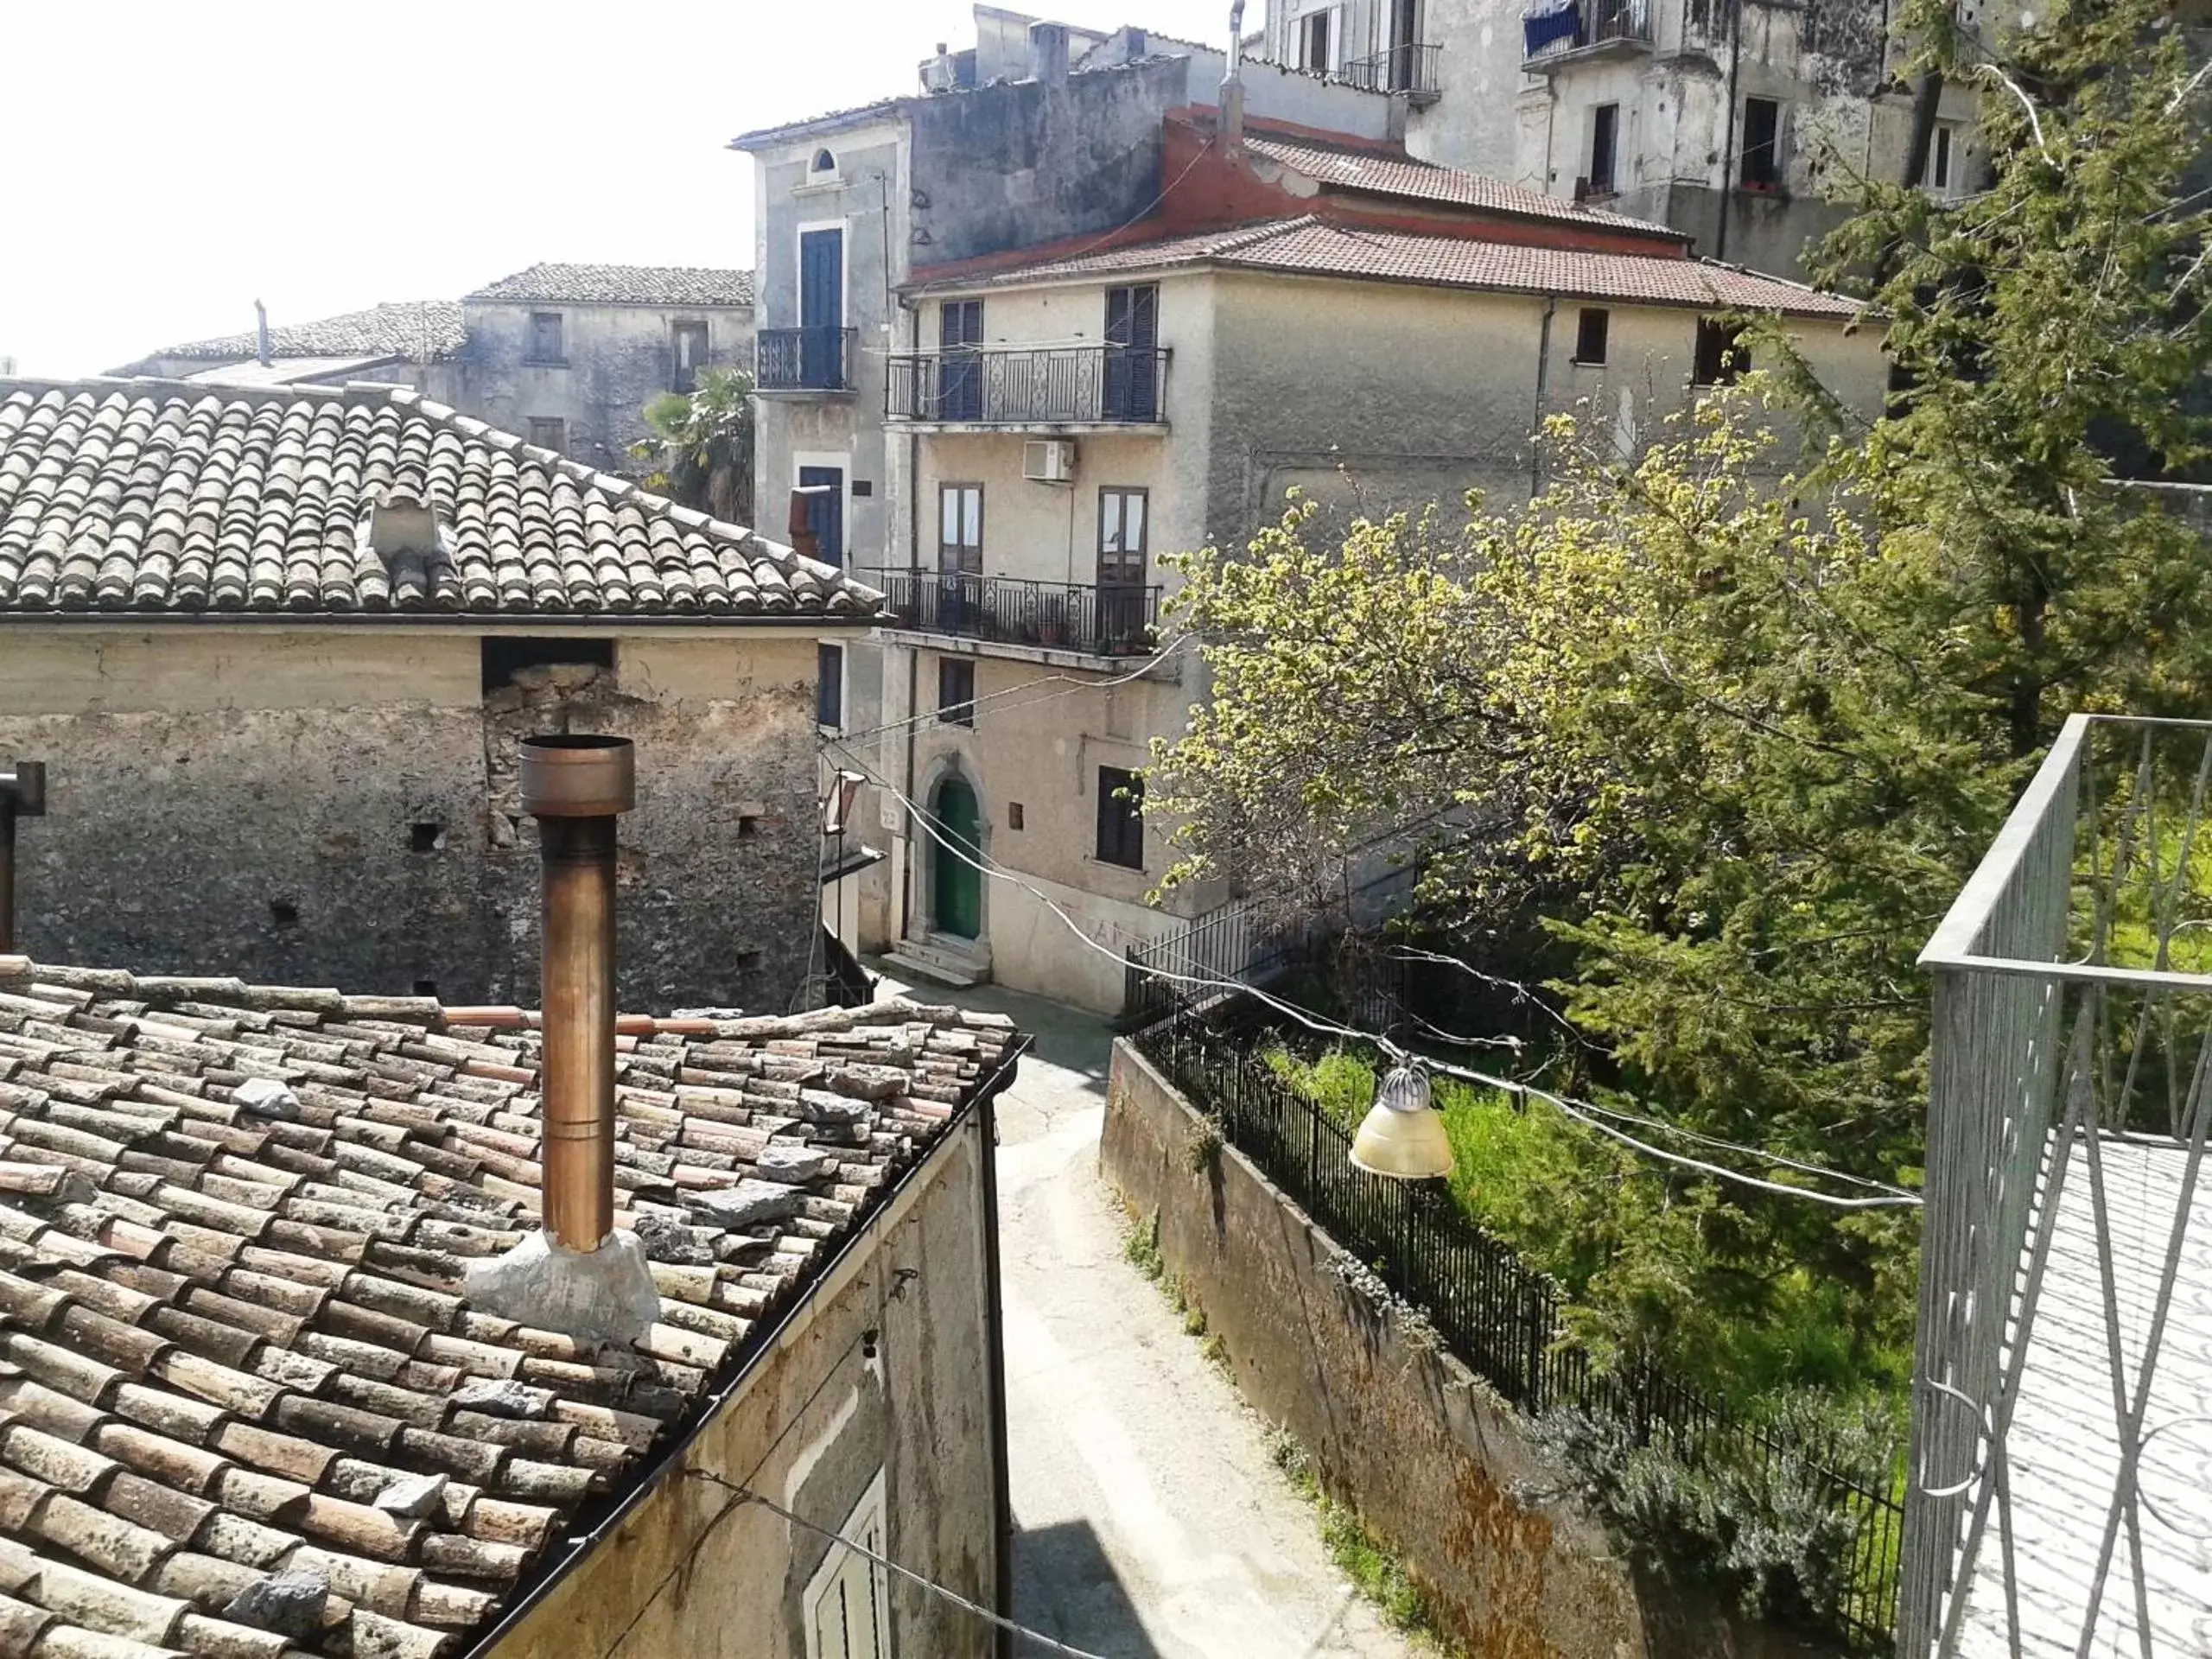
column 1402, row 1136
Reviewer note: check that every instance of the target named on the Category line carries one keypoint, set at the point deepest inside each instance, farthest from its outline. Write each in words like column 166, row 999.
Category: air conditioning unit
column 1048, row 461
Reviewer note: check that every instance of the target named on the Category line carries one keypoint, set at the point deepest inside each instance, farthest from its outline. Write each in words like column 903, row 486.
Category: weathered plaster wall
column 1471, row 124
column 1430, row 1458
column 245, row 800
column 617, row 360
column 810, row 1427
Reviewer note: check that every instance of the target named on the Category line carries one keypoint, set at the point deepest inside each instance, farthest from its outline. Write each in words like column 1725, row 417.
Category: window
column 960, row 369
column 1605, row 145
column 549, row 432
column 690, row 356
column 1943, row 159
column 545, row 338
column 1317, row 41
column 959, row 529
column 955, row 690
column 1590, row 334
column 1762, row 144
column 1013, row 815
column 829, row 686
column 824, row 162
column 506, row 657
column 1721, row 354
column 1132, row 388
column 1121, row 817
column 1121, row 530
column 847, row 1611
column 822, row 487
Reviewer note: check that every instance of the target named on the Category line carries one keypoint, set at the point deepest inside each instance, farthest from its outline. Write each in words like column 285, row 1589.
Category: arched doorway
column 955, row 884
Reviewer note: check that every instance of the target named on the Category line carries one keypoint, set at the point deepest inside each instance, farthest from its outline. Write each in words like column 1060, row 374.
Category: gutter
column 766, row 1340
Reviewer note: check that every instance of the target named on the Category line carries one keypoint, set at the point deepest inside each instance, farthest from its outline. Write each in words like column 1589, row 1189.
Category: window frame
column 1120, row 823
column 1939, row 178
column 868, row 1526
column 533, row 353
column 1604, row 318
column 953, row 710
column 1606, row 119
column 1331, row 21
column 960, row 566
column 698, row 328
column 533, row 427
column 1123, row 494
column 1770, row 178
column 829, row 687
column 1719, row 358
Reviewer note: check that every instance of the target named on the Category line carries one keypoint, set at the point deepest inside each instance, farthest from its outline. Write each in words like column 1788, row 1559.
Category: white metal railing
column 2057, row 1499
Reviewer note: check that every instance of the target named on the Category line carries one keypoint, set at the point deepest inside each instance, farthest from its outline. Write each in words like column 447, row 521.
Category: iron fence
column 1029, row 386
column 1555, row 32
column 1109, row 619
column 803, row 359
column 1410, row 69
column 1496, row 1314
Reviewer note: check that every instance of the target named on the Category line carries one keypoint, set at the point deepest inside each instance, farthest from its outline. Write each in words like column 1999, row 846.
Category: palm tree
column 702, row 445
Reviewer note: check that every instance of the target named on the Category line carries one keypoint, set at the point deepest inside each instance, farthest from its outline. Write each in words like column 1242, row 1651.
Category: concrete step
column 916, row 959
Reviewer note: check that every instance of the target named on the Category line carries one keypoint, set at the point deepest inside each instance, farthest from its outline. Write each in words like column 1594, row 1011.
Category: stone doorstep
column 939, row 964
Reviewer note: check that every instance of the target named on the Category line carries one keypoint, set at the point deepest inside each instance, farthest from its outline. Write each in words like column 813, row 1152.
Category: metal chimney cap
column 578, row 775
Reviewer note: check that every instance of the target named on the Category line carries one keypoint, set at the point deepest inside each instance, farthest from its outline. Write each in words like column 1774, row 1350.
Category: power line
column 1172, row 648
column 744, row 1495
column 1883, row 1195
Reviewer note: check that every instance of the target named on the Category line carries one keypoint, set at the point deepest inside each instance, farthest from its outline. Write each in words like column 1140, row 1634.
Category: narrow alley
column 1149, row 1521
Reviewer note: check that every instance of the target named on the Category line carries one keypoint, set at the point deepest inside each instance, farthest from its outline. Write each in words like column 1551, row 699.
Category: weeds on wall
column 1379, row 1572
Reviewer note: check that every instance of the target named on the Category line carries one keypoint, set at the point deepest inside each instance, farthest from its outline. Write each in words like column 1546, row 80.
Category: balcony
column 1555, row 33
column 1097, row 621
column 803, row 359
column 1047, row 389
column 1409, row 69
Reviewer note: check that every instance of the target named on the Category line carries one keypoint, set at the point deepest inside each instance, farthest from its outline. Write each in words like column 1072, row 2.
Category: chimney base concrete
column 602, row 1295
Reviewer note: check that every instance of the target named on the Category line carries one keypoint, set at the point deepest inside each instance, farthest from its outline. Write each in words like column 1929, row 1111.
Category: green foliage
column 1732, row 734
column 1201, row 1152
column 1142, row 1247
column 702, row 445
column 1764, row 1531
column 1378, row 1571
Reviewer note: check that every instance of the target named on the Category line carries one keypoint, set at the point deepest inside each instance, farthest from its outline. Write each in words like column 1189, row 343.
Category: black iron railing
column 1106, row 620
column 803, row 359
column 1409, row 69
column 1498, row 1315
column 1595, row 22
column 1044, row 386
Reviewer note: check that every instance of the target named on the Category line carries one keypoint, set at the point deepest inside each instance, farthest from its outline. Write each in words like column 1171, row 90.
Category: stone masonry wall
column 1432, row 1460
column 337, row 807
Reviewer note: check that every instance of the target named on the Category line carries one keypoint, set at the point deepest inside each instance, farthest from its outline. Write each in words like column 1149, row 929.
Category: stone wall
column 337, row 806
column 1432, row 1460
column 885, row 1371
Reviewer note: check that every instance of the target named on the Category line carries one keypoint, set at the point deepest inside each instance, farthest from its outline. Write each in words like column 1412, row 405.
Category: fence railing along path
column 1500, row 1317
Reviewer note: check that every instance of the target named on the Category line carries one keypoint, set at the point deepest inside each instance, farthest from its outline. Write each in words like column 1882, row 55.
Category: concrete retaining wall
column 1433, row 1462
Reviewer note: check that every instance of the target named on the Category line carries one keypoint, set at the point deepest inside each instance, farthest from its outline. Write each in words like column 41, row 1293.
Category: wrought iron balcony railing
column 803, row 359
column 1552, row 31
column 1409, row 69
column 1105, row 620
column 1025, row 386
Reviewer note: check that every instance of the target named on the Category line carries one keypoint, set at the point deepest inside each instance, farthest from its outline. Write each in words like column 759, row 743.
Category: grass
column 1379, row 1573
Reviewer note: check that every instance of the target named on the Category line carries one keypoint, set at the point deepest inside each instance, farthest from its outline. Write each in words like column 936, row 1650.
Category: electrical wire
column 1882, row 1194
column 1172, row 648
column 744, row 1495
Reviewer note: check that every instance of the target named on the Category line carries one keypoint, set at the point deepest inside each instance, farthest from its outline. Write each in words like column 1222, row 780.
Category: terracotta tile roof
column 1372, row 171
column 234, row 1358
column 421, row 331
column 624, row 285
column 1310, row 246
column 160, row 496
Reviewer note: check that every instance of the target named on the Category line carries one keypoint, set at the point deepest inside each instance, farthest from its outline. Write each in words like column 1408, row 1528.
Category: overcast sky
column 324, row 155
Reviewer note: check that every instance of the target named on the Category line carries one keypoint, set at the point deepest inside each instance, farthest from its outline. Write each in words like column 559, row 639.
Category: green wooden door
column 959, row 884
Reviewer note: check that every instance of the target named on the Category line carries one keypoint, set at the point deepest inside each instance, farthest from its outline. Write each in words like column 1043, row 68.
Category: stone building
column 565, row 355
column 249, row 1407
column 278, row 646
column 1120, row 324
column 1744, row 124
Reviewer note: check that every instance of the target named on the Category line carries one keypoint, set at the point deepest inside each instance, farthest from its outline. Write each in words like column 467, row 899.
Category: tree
column 702, row 445
column 1716, row 753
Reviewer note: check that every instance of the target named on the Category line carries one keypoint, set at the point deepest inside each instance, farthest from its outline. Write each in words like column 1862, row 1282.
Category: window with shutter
column 1121, row 817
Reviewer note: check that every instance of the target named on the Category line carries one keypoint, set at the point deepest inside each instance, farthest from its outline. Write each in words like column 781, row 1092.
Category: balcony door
column 1132, row 389
column 822, row 307
column 1122, row 529
column 960, row 557
column 1404, row 17
column 825, row 487
column 960, row 364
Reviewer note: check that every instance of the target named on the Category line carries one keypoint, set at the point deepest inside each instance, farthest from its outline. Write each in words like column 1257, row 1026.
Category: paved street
column 1150, row 1524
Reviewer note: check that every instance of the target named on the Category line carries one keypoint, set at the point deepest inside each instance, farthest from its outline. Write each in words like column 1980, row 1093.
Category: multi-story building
column 1745, row 123
column 566, row 355
column 1011, row 381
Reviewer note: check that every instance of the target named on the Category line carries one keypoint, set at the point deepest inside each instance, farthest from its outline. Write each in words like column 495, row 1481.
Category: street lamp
column 1402, row 1136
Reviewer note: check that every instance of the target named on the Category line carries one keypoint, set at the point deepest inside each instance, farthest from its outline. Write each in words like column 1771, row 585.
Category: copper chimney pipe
column 23, row 793
column 576, row 786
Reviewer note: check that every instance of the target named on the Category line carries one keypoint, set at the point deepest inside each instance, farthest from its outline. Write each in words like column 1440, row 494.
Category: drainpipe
column 913, row 657
column 1728, row 145
column 261, row 333
column 1543, row 391
column 23, row 793
column 1232, row 84
column 577, row 1275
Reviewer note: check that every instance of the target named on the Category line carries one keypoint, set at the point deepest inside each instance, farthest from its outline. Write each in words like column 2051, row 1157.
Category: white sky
column 325, row 154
